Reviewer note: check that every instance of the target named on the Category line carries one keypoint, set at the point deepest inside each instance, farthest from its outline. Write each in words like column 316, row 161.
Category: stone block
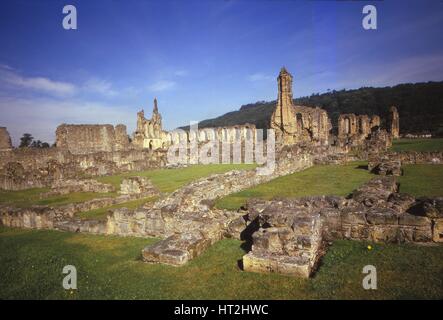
column 423, row 234
column 412, row 220
column 384, row 233
column 352, row 216
column 384, row 216
column 266, row 263
column 176, row 250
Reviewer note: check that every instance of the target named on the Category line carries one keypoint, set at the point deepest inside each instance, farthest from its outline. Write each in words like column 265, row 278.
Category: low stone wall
column 413, row 157
column 62, row 217
column 60, row 187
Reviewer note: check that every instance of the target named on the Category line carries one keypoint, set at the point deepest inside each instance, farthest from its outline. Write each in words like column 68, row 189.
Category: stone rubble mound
column 138, row 185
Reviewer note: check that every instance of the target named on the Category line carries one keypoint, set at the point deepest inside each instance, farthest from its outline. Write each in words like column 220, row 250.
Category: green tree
column 26, row 140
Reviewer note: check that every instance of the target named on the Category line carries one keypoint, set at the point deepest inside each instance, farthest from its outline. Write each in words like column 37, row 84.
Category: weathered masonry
column 293, row 124
column 5, row 140
column 84, row 138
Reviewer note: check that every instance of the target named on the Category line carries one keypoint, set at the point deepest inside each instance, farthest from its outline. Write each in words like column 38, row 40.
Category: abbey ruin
column 294, row 124
column 286, row 235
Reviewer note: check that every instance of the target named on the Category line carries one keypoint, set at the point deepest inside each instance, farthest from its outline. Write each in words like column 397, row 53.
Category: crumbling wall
column 347, row 125
column 26, row 168
column 84, row 138
column 5, row 139
column 121, row 138
column 375, row 121
column 356, row 127
column 149, row 133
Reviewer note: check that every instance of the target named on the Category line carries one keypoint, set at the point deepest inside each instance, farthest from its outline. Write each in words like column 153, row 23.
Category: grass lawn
column 418, row 180
column 167, row 180
column 422, row 180
column 317, row 180
column 101, row 213
column 110, row 268
column 418, row 145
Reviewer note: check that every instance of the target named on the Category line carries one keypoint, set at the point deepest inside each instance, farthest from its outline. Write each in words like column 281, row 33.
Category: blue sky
column 199, row 58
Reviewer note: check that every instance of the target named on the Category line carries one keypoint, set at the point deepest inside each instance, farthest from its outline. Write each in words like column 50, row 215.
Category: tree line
column 420, row 106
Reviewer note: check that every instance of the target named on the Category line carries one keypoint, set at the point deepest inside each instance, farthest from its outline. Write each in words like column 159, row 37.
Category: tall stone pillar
column 282, row 120
column 394, row 123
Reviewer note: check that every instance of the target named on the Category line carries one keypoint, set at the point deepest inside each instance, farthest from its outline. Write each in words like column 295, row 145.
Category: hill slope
column 420, row 106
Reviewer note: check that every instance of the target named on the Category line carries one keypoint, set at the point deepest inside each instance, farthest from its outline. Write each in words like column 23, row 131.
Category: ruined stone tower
column 293, row 124
column 281, row 118
column 394, row 123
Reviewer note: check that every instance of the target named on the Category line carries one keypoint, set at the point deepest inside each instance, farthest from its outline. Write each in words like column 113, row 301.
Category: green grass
column 422, row 180
column 418, row 145
column 341, row 180
column 110, row 268
column 100, row 214
column 27, row 198
column 168, row 180
column 317, row 180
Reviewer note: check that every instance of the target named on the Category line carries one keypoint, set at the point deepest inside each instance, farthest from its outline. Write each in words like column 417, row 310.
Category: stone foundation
column 291, row 231
column 287, row 236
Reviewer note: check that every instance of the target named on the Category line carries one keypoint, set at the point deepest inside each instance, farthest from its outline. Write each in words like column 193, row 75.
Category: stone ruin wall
column 30, row 167
column 356, row 125
column 5, row 139
column 83, row 139
column 228, row 134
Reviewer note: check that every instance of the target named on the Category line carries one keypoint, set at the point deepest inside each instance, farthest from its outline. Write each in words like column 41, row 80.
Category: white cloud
column 38, row 83
column 56, row 88
column 259, row 77
column 162, row 85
